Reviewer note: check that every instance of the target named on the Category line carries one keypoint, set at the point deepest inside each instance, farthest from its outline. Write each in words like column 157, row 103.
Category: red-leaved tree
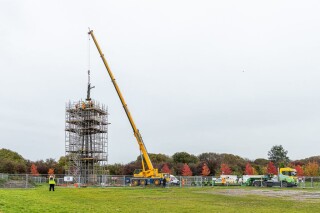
column 225, row 169
column 165, row 168
column 51, row 171
column 249, row 169
column 186, row 171
column 271, row 168
column 34, row 170
column 300, row 171
column 205, row 170
column 312, row 169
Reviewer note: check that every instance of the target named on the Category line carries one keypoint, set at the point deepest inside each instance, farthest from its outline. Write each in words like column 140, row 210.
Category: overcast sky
column 198, row 76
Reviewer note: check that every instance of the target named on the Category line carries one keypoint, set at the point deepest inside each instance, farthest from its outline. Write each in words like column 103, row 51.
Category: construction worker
column 51, row 183
column 164, row 182
column 223, row 181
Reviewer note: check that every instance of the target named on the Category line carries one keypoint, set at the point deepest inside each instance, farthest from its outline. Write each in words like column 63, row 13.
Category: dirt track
column 301, row 195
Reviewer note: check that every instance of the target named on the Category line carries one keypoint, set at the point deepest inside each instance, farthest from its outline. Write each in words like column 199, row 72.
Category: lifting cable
column 89, row 67
column 89, row 58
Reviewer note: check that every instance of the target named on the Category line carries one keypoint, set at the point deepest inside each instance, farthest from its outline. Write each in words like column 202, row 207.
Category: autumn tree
column 184, row 157
column 115, row 169
column 235, row 162
column 51, row 171
column 34, row 170
column 225, row 169
column 278, row 155
column 62, row 164
column 299, row 171
column 205, row 170
column 261, row 161
column 193, row 167
column 44, row 166
column 312, row 169
column 129, row 168
column 213, row 161
column 186, row 171
column 255, row 172
column 165, row 169
column 260, row 166
column 249, row 169
column 156, row 158
column 271, row 168
column 11, row 162
column 312, row 159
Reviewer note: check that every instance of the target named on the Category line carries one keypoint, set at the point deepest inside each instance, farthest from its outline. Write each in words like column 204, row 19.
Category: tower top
column 89, row 87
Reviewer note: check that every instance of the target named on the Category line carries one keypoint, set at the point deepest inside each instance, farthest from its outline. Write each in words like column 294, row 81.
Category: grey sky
column 198, row 76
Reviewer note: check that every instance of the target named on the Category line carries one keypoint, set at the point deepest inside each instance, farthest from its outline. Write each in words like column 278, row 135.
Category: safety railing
column 31, row 181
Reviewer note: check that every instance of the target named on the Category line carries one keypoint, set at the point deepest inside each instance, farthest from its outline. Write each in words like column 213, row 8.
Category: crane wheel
column 143, row 182
column 135, row 183
column 156, row 182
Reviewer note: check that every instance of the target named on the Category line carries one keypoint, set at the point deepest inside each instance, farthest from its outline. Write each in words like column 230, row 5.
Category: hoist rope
column 89, row 58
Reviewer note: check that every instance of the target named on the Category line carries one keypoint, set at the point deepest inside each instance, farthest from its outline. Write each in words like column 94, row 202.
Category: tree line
column 13, row 163
column 180, row 163
column 215, row 164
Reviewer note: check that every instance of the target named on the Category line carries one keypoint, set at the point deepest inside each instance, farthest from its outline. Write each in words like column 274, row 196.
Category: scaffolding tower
column 86, row 140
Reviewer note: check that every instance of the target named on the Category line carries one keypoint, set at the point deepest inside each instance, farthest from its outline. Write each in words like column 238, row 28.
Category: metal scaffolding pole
column 86, row 140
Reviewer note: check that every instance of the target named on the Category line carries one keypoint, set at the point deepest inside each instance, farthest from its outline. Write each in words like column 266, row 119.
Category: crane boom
column 151, row 172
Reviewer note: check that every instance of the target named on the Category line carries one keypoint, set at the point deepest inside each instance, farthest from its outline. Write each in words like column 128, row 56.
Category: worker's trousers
column 51, row 187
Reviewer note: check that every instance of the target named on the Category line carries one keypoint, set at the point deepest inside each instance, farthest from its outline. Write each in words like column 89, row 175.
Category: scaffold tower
column 86, row 139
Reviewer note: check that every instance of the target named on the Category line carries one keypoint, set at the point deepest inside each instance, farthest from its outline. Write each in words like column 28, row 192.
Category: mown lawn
column 144, row 200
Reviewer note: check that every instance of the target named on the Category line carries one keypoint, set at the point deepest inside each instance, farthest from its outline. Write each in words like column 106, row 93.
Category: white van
column 174, row 180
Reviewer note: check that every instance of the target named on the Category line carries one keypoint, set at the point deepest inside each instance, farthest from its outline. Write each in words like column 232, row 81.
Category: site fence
column 30, row 181
column 309, row 182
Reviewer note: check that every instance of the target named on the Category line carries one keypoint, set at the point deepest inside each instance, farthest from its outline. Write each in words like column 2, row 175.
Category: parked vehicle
column 226, row 180
column 173, row 180
column 287, row 177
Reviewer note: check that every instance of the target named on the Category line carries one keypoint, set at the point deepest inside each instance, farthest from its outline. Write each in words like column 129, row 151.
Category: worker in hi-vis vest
column 51, row 183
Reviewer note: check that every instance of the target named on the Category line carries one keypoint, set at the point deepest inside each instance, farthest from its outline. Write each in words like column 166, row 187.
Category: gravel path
column 301, row 195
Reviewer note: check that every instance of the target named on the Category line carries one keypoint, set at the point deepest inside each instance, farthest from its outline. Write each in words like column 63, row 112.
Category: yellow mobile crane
column 141, row 176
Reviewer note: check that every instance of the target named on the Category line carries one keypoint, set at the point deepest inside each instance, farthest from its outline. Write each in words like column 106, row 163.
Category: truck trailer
column 287, row 177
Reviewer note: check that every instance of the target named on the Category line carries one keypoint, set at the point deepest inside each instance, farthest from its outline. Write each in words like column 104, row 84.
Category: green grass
column 145, row 200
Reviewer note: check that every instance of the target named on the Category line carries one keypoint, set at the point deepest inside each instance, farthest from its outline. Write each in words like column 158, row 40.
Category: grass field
column 217, row 199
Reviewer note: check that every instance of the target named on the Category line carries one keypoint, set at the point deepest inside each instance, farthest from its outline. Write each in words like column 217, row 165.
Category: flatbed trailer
column 286, row 178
